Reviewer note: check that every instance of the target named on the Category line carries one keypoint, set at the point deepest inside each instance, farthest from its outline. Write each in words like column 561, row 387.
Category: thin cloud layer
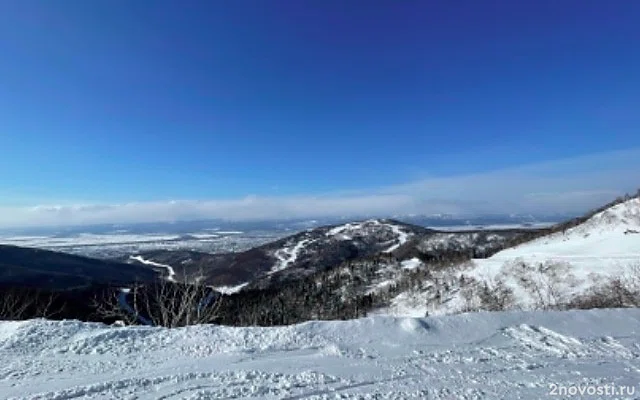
column 564, row 186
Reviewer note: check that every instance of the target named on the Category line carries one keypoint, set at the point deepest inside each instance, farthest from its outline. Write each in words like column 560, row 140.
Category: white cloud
column 570, row 185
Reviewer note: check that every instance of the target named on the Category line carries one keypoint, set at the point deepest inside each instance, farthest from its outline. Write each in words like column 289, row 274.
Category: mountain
column 587, row 262
column 324, row 248
column 287, row 263
column 279, row 225
column 305, row 251
column 576, row 263
column 27, row 267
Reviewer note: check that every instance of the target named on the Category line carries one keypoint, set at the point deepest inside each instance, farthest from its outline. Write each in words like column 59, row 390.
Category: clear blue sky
column 118, row 101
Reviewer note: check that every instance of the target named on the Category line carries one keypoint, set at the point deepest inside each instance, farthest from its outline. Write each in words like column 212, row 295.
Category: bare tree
column 547, row 283
column 163, row 303
column 22, row 303
column 469, row 287
column 618, row 292
column 495, row 295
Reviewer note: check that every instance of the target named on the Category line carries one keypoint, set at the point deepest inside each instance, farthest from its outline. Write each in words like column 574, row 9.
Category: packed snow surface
column 288, row 255
column 518, row 355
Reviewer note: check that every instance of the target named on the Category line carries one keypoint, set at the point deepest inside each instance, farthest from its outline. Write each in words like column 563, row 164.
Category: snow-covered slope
column 386, row 232
column 552, row 269
column 608, row 238
column 323, row 248
column 470, row 356
column 477, row 242
column 288, row 258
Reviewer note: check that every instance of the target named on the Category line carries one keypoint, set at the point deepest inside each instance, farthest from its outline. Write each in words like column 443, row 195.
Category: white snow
column 288, row 255
column 596, row 250
column 204, row 235
column 355, row 226
column 516, row 355
column 354, row 229
column 171, row 274
column 85, row 239
column 230, row 289
column 402, row 238
column 411, row 263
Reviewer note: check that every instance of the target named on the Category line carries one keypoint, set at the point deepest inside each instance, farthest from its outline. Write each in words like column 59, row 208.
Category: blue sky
column 115, row 103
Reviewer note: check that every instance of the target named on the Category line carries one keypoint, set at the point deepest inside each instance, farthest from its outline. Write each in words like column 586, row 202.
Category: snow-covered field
column 118, row 244
column 469, row 356
column 86, row 239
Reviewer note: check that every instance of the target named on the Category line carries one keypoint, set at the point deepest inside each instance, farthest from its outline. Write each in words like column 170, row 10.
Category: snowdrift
column 467, row 356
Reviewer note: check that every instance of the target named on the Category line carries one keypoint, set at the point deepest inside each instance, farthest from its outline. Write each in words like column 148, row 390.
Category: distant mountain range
column 287, row 225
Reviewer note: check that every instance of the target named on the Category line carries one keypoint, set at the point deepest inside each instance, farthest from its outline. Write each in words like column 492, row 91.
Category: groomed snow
column 288, row 255
column 402, row 238
column 171, row 274
column 516, row 355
